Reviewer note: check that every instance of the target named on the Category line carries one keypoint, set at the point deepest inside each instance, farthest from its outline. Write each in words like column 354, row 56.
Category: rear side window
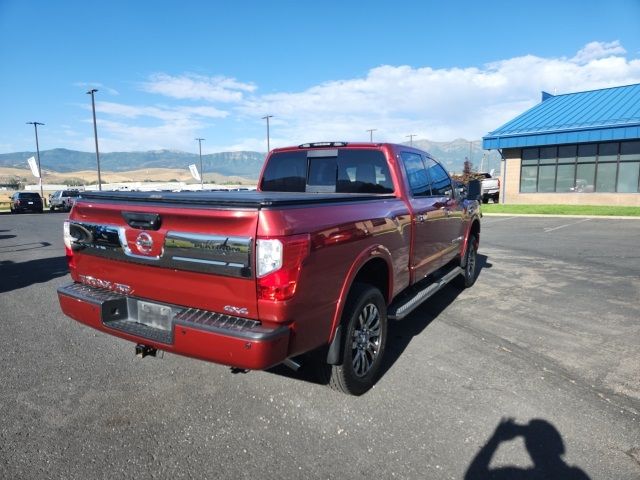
column 70, row 193
column 327, row 171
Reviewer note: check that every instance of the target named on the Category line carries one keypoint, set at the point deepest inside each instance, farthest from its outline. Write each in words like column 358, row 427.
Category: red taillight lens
column 498, row 183
column 282, row 258
column 68, row 240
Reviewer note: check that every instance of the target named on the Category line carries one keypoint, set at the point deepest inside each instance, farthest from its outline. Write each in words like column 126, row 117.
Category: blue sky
column 170, row 71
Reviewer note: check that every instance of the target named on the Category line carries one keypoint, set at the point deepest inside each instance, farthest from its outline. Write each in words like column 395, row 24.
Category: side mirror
column 474, row 190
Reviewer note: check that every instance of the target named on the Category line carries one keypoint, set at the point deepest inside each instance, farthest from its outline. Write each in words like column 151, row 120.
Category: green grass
column 595, row 210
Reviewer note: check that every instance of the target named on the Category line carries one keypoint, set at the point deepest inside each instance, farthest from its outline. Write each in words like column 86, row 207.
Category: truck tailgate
column 195, row 257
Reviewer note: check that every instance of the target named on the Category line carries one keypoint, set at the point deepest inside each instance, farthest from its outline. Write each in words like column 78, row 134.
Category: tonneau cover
column 242, row 199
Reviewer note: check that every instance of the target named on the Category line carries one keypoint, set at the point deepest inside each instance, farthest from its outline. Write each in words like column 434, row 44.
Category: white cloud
column 121, row 136
column 158, row 112
column 198, row 87
column 434, row 103
column 438, row 104
column 597, row 50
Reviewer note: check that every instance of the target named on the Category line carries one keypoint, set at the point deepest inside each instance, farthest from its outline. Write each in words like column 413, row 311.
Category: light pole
column 267, row 117
column 35, row 127
column 371, row 130
column 95, row 133
column 410, row 137
column 201, row 172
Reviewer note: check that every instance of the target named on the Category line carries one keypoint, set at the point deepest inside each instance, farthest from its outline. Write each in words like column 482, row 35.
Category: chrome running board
column 398, row 312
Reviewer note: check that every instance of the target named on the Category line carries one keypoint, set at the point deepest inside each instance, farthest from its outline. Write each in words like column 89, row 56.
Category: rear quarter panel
column 343, row 238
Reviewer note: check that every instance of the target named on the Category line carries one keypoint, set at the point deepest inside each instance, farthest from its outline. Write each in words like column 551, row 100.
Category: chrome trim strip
column 198, row 260
column 214, row 254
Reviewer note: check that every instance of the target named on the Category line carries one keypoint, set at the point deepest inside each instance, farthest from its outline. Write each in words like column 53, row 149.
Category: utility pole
column 267, row 117
column 35, row 127
column 95, row 133
column 201, row 171
column 371, row 130
column 410, row 137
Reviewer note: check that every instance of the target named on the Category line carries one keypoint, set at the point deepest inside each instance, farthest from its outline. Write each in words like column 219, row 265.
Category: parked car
column 490, row 188
column 337, row 239
column 63, row 200
column 26, row 202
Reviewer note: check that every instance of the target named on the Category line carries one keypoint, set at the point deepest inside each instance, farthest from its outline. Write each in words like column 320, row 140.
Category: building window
column 604, row 167
column 606, row 177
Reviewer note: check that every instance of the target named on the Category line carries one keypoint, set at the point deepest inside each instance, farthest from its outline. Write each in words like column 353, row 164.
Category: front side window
column 416, row 174
column 440, row 181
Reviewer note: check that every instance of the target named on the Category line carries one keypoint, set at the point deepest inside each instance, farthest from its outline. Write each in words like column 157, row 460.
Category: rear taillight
column 278, row 262
column 68, row 240
column 498, row 183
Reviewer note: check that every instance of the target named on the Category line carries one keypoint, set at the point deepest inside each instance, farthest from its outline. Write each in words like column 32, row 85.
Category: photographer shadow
column 544, row 444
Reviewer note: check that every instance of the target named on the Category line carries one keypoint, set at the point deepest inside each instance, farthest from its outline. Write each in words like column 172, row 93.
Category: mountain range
column 244, row 163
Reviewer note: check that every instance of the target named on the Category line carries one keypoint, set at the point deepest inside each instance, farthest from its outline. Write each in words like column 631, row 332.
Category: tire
column 485, row 199
column 52, row 208
column 364, row 323
column 468, row 277
column 496, row 199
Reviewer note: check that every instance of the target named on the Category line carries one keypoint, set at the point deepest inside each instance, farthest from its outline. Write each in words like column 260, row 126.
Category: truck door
column 429, row 220
column 451, row 226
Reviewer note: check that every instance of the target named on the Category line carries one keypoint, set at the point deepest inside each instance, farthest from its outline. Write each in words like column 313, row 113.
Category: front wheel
column 468, row 277
column 364, row 324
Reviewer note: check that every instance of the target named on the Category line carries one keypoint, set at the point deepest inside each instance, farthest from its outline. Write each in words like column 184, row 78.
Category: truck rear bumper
column 215, row 337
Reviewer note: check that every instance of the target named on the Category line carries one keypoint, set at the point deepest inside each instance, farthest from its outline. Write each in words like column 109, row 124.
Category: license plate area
column 151, row 314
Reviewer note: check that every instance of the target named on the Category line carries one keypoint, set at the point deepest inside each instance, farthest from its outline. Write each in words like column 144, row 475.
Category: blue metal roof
column 594, row 116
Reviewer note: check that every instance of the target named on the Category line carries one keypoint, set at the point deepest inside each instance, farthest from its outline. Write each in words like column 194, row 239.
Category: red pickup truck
column 338, row 238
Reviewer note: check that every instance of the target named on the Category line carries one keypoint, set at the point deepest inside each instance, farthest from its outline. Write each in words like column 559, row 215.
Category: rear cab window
column 70, row 193
column 331, row 170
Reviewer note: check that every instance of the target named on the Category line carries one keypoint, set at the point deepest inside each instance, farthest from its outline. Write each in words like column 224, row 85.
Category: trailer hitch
column 145, row 351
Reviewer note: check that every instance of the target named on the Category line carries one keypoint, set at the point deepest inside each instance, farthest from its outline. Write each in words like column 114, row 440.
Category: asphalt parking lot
column 548, row 337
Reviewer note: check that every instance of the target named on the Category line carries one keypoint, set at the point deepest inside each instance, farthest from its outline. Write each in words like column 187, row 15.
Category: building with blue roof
column 578, row 148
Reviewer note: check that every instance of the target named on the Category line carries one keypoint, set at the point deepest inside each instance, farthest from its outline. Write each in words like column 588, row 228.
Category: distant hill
column 244, row 164
column 452, row 154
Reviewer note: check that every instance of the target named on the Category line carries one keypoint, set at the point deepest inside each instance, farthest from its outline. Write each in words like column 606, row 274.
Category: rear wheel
column 364, row 324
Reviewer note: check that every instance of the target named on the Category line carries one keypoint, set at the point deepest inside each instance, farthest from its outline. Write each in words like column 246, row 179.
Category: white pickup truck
column 490, row 188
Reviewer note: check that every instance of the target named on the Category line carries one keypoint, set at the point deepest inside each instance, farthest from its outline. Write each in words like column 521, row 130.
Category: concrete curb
column 543, row 215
